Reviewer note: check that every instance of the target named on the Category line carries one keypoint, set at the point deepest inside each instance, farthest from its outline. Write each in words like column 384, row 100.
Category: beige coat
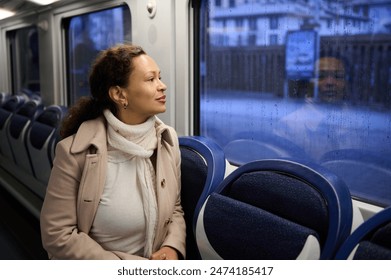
column 76, row 185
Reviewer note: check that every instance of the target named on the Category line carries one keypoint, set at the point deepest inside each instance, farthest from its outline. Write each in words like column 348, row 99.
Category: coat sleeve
column 176, row 236
column 61, row 237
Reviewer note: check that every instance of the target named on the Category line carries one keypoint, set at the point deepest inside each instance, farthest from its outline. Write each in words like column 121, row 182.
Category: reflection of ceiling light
column 5, row 13
column 43, row 2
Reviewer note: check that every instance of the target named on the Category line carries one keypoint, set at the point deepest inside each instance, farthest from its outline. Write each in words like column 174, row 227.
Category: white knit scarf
column 139, row 141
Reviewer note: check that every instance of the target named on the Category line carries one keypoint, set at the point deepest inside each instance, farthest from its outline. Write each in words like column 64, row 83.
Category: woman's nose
column 162, row 86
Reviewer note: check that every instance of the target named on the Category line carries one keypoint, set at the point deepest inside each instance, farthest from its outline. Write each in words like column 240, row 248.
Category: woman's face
column 331, row 79
column 145, row 92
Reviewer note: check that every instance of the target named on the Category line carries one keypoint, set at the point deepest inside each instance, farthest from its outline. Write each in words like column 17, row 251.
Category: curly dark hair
column 112, row 67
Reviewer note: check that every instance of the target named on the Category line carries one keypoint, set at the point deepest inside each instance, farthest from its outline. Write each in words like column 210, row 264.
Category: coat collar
column 93, row 132
column 163, row 130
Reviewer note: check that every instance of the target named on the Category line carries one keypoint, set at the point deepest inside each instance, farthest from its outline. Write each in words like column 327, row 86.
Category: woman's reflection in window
column 332, row 79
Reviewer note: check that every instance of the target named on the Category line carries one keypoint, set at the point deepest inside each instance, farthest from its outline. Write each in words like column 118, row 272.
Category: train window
column 88, row 34
column 24, row 59
column 309, row 80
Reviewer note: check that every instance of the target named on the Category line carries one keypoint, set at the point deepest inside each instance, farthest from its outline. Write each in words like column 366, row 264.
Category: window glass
column 24, row 59
column 88, row 34
column 309, row 80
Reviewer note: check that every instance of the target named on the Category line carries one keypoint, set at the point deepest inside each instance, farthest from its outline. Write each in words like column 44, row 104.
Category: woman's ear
column 117, row 95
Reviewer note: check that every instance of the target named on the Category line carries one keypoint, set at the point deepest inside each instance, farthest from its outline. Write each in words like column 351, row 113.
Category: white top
column 120, row 222
column 126, row 217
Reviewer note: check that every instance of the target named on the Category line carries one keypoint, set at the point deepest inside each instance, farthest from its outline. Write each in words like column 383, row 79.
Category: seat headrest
column 238, row 230
column 51, row 116
column 14, row 103
column 39, row 134
column 383, row 236
column 377, row 246
column 45, row 125
column 367, row 250
column 300, row 191
column 29, row 109
column 4, row 97
column 284, row 196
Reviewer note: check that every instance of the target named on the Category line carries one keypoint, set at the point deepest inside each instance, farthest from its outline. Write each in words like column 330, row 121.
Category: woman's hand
column 165, row 253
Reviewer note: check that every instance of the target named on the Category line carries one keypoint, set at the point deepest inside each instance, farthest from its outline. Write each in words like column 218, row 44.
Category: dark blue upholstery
column 17, row 128
column 42, row 138
column 251, row 229
column 370, row 241
column 6, row 111
column 4, row 97
column 366, row 174
column 266, row 209
column 202, row 169
column 309, row 210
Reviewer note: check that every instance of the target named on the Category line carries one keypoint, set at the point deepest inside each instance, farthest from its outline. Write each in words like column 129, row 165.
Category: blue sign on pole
column 301, row 54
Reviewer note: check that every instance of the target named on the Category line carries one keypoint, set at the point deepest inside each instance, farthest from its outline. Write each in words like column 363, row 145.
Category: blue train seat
column 275, row 209
column 366, row 174
column 42, row 137
column 370, row 241
column 18, row 125
column 202, row 169
column 4, row 96
column 6, row 111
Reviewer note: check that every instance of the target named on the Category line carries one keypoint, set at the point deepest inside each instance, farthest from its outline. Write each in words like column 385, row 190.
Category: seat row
column 28, row 135
column 272, row 209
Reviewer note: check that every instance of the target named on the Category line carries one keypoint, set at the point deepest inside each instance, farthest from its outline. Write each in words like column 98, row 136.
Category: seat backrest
column 6, row 111
column 18, row 125
column 42, row 137
column 370, row 241
column 4, row 96
column 202, row 169
column 275, row 209
column 366, row 174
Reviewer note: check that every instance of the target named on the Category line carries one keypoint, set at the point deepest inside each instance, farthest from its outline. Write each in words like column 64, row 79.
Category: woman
column 332, row 79
column 114, row 190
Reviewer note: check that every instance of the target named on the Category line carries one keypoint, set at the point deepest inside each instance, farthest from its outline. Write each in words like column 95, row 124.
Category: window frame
column 61, row 14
